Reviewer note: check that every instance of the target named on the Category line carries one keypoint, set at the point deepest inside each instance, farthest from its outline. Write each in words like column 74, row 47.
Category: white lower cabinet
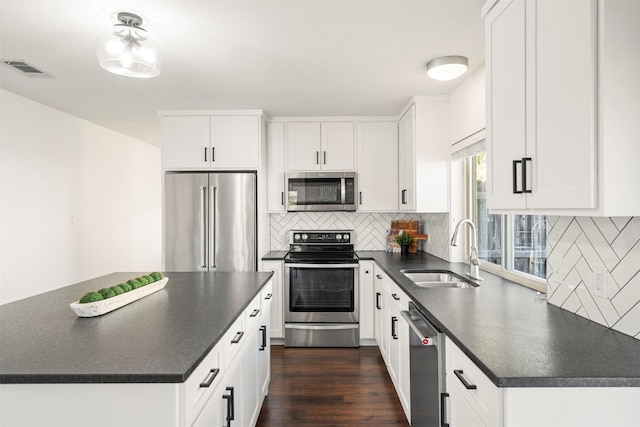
column 380, row 289
column 277, row 298
column 366, row 294
column 472, row 395
column 392, row 334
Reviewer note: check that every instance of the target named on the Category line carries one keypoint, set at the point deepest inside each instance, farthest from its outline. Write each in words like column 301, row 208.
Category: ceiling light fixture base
column 447, row 67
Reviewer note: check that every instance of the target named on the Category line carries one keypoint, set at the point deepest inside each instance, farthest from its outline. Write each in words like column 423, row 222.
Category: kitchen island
column 134, row 360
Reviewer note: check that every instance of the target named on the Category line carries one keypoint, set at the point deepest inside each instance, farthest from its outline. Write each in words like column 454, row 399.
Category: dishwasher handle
column 426, row 340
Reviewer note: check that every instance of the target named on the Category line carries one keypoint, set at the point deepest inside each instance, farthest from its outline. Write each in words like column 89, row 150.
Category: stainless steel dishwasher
column 427, row 369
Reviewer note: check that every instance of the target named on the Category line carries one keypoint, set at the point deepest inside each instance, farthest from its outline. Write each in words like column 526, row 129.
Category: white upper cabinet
column 208, row 141
column 554, row 81
column 275, row 168
column 313, row 146
column 468, row 110
column 377, row 166
column 424, row 156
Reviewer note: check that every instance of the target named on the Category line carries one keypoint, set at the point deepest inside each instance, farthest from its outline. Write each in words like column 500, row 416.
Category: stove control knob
column 305, row 237
column 338, row 236
column 345, row 237
column 296, row 237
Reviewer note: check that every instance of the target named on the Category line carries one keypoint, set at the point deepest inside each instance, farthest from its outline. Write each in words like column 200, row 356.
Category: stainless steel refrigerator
column 210, row 221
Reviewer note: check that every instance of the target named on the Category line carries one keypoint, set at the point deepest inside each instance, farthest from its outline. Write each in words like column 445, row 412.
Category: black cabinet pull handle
column 395, row 297
column 524, row 174
column 515, row 176
column 230, row 406
column 237, row 338
column 366, row 272
column 394, row 319
column 213, row 154
column 379, row 276
column 268, row 296
column 255, row 312
column 360, row 197
column 263, row 329
column 282, row 197
column 443, row 396
column 378, row 301
column 209, row 378
column 404, row 197
column 463, row 380
column 317, row 157
column 205, row 154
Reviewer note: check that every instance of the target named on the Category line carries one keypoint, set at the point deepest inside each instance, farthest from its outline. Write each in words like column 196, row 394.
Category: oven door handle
column 318, row 327
column 322, row 265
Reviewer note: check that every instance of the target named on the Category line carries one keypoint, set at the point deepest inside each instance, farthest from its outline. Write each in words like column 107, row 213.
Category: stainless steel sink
column 436, row 279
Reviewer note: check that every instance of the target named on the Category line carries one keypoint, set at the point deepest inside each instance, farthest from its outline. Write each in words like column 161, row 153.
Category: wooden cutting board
column 405, row 226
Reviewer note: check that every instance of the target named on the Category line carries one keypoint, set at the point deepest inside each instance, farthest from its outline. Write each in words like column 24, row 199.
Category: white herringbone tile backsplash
column 436, row 225
column 576, row 247
column 370, row 228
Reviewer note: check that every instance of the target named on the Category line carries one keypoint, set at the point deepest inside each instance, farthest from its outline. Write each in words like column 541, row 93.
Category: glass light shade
column 130, row 51
column 447, row 67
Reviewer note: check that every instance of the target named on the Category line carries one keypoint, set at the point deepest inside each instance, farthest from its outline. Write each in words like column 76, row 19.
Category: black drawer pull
column 379, row 276
column 230, row 406
column 515, row 176
column 209, row 378
column 443, row 396
column 395, row 297
column 255, row 312
column 237, row 338
column 463, row 380
column 268, row 296
column 524, row 174
column 394, row 319
column 263, row 329
column 378, row 301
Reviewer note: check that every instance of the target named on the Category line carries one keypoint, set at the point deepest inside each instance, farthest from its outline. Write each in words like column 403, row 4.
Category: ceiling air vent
column 26, row 69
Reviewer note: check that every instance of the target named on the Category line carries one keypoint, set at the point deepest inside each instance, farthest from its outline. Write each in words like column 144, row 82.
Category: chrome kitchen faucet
column 474, row 262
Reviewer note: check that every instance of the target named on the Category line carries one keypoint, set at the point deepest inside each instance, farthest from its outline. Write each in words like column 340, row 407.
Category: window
column 513, row 246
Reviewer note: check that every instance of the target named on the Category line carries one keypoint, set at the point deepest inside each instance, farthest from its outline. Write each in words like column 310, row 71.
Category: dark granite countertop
column 275, row 256
column 158, row 339
column 516, row 340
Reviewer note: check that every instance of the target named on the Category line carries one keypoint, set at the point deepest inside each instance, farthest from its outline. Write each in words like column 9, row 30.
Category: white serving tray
column 98, row 308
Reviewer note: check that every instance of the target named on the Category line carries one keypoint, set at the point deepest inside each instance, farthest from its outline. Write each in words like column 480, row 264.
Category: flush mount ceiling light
column 129, row 50
column 447, row 67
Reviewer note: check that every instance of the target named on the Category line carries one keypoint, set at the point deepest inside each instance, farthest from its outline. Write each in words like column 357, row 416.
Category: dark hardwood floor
column 330, row 387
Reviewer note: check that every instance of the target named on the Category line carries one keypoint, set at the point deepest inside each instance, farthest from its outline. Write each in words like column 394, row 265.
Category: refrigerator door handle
column 212, row 226
column 203, row 226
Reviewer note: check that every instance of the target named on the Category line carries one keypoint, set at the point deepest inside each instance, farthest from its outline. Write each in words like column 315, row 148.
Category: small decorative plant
column 404, row 239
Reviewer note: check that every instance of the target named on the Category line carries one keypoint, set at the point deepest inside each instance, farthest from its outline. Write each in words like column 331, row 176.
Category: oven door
column 321, row 293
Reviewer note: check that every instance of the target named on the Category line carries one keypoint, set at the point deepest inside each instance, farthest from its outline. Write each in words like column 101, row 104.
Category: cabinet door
column 337, row 146
column 377, row 148
column 235, row 142
column 275, row 168
column 406, row 161
column 277, row 317
column 506, row 131
column 458, row 412
column 380, row 311
column 264, row 345
column 366, row 300
column 564, row 112
column 303, row 146
column 185, row 142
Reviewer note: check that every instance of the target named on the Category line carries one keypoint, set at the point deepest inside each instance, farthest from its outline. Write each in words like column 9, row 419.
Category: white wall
column 77, row 200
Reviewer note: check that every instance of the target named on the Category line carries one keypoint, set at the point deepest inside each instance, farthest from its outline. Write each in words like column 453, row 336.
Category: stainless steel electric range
column 321, row 290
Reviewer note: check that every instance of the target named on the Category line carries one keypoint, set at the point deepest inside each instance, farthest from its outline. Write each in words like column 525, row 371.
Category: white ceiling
column 289, row 58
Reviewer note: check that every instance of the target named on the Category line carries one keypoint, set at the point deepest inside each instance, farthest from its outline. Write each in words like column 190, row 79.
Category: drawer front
column 234, row 339
column 482, row 395
column 202, row 382
column 267, row 292
column 253, row 312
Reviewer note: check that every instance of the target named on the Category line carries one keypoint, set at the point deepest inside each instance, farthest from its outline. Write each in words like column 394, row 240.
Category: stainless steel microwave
column 321, row 191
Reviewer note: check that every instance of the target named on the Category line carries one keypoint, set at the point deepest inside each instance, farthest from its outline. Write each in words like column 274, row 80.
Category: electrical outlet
column 600, row 282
